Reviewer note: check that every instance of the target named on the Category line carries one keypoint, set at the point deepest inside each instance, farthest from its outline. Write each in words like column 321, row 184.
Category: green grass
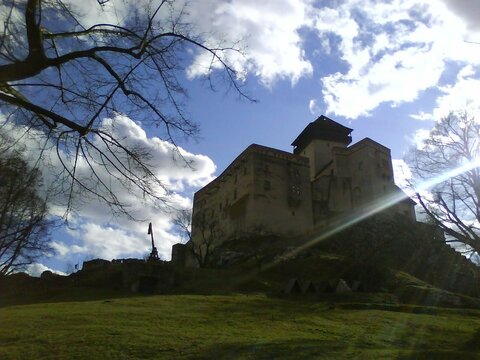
column 236, row 326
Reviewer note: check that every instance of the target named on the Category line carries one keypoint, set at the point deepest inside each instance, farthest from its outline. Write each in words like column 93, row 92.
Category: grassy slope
column 239, row 326
column 236, row 326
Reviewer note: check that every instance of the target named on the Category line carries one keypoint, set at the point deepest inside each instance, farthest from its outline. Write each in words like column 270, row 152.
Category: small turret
column 322, row 129
column 318, row 139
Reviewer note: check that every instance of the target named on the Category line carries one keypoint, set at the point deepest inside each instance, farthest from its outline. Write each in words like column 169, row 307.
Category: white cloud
column 313, row 106
column 468, row 10
column 59, row 248
column 395, row 50
column 419, row 136
column 107, row 242
column 112, row 12
column 36, row 269
column 270, row 31
column 97, row 232
column 402, row 173
column 174, row 165
column 267, row 30
column 422, row 116
column 461, row 96
column 102, row 236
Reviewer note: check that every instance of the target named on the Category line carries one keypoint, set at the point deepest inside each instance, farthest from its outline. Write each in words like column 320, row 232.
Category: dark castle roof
column 322, row 129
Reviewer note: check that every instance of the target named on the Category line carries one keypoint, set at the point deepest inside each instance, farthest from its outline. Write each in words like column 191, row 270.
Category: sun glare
column 373, row 208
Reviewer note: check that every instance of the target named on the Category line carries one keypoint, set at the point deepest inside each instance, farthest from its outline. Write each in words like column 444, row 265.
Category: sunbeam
column 379, row 205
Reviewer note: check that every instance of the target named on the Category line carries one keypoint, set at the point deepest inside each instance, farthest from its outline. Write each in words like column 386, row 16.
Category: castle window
column 245, row 170
column 235, row 194
column 360, row 165
column 267, row 185
column 236, row 178
column 220, row 206
column 295, row 189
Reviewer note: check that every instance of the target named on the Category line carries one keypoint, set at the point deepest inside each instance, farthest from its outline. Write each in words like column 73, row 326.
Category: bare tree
column 62, row 77
column 183, row 222
column 209, row 233
column 23, row 225
column 451, row 157
column 207, row 230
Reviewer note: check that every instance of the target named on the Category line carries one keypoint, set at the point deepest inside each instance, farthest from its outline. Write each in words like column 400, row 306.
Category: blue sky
column 387, row 69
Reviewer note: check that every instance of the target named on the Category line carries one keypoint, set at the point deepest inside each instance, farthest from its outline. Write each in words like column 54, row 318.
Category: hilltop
column 415, row 298
column 379, row 255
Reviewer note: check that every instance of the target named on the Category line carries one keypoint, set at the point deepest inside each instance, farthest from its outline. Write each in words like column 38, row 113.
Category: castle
column 266, row 190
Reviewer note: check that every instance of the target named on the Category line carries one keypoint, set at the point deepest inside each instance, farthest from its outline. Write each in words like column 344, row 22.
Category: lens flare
column 375, row 207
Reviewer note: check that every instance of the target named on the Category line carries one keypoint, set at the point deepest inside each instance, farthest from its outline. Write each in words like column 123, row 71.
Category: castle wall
column 406, row 208
column 319, row 153
column 263, row 190
column 220, row 208
column 371, row 173
column 270, row 191
column 357, row 177
column 281, row 200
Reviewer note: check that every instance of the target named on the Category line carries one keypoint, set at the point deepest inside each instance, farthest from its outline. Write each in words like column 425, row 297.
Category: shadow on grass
column 291, row 349
column 53, row 295
column 438, row 355
column 315, row 349
column 473, row 344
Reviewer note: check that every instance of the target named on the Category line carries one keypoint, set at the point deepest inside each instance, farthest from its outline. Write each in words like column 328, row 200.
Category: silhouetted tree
column 24, row 228
column 208, row 233
column 61, row 76
column 183, row 222
column 451, row 154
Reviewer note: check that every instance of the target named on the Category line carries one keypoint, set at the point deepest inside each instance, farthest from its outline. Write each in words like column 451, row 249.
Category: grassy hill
column 419, row 300
column 234, row 326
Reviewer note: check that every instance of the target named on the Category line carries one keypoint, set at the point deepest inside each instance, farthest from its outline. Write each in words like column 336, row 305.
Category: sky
column 387, row 69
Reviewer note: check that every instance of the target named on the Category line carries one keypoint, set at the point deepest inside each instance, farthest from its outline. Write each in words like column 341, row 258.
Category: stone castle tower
column 266, row 190
column 316, row 141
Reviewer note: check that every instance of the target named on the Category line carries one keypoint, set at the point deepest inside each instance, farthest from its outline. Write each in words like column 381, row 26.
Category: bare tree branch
column 68, row 78
column 23, row 225
column 452, row 144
